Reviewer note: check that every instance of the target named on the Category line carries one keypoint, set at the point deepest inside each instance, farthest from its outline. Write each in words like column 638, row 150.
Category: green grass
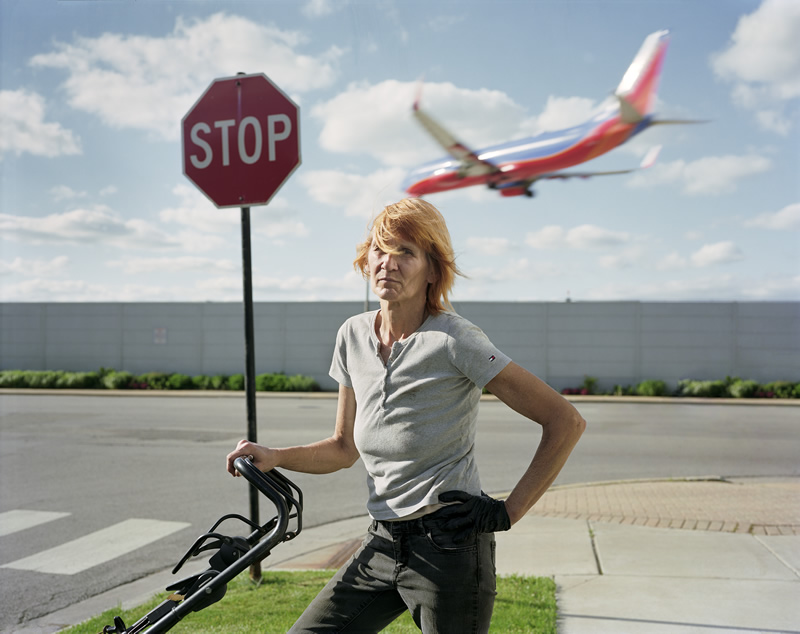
column 524, row 604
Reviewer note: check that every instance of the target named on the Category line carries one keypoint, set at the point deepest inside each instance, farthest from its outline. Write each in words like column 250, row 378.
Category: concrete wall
column 617, row 342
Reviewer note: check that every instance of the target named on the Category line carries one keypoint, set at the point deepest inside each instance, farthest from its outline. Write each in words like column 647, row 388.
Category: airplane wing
column 520, row 187
column 648, row 161
column 471, row 164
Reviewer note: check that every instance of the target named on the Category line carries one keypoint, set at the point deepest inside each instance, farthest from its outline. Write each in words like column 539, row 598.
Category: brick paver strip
column 759, row 507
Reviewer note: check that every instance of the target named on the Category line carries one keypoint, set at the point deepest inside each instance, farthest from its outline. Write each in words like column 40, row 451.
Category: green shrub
column 780, row 389
column 179, row 382
column 79, row 381
column 236, row 382
column 43, row 380
column 705, row 389
column 589, row 384
column 219, row 382
column 743, row 388
column 114, row 380
column 651, row 387
column 271, row 382
column 153, row 381
column 13, row 378
column 301, row 383
column 623, row 390
column 201, row 382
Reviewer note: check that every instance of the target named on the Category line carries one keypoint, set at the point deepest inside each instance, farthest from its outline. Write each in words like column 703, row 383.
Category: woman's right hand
column 263, row 458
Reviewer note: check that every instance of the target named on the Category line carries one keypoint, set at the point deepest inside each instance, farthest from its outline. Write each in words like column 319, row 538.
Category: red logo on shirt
column 492, row 358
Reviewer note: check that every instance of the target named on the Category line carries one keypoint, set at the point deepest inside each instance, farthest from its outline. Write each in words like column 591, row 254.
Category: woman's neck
column 397, row 322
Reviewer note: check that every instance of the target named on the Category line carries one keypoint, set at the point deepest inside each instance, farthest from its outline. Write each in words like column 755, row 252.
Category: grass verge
column 524, row 604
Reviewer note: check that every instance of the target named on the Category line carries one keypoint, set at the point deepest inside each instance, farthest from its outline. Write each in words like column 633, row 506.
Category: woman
column 410, row 377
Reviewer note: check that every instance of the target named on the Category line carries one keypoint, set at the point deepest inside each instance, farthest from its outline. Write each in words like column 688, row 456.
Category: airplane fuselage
column 526, row 159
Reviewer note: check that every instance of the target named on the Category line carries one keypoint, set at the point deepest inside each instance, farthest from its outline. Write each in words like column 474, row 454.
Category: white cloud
column 592, row 237
column 444, row 23
column 559, row 113
column 359, row 196
column 48, row 290
column 719, row 174
column 624, row 259
column 580, row 237
column 549, row 237
column 277, row 220
column 196, row 211
column 518, row 269
column 206, row 227
column 23, row 128
column 134, row 266
column 149, row 83
column 93, row 225
column 707, row 255
column 490, row 246
column 689, row 289
column 63, row 192
column 221, row 288
column 672, row 262
column 277, row 229
column 295, row 287
column 36, row 268
column 711, row 175
column 714, row 287
column 763, row 63
column 717, row 253
column 376, row 119
column 786, row 218
column 774, row 120
column 318, row 8
column 773, row 288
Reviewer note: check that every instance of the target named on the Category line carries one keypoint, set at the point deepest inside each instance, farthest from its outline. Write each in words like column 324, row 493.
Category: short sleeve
column 474, row 354
column 338, row 370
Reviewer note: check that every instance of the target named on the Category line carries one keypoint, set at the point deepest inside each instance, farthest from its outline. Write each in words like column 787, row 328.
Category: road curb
column 573, row 398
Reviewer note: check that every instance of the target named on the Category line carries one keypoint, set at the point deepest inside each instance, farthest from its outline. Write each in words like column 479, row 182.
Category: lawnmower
column 233, row 554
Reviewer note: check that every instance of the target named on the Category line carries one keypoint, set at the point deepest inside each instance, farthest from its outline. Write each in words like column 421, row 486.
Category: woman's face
column 401, row 276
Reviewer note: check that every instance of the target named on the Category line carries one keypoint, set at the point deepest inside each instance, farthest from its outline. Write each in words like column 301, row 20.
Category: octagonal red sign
column 241, row 140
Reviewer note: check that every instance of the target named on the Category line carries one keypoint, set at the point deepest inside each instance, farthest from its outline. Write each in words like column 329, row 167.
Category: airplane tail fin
column 637, row 90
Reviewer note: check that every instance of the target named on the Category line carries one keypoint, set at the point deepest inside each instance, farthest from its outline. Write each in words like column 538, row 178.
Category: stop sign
column 241, row 140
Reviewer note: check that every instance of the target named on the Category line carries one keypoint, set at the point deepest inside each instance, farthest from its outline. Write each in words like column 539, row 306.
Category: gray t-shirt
column 416, row 416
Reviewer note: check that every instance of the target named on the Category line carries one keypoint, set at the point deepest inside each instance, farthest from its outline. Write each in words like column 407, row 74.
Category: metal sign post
column 250, row 365
column 241, row 142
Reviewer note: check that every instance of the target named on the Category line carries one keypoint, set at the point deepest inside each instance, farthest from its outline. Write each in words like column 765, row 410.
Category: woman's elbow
column 352, row 458
column 579, row 425
column 573, row 425
column 348, row 454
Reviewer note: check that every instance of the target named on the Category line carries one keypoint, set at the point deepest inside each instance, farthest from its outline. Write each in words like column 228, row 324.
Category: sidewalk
column 645, row 557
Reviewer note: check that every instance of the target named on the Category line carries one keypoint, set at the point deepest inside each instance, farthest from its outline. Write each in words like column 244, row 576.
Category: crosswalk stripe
column 98, row 547
column 19, row 520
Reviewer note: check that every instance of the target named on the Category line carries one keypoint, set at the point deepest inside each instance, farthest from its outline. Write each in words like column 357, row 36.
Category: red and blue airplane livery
column 512, row 168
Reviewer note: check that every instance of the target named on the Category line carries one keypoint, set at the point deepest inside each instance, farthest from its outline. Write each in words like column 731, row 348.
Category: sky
column 94, row 206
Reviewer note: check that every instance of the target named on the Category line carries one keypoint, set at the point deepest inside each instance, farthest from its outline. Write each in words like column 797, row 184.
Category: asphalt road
column 103, row 460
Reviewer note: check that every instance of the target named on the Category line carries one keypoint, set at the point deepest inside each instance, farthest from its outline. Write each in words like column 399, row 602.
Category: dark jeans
column 409, row 565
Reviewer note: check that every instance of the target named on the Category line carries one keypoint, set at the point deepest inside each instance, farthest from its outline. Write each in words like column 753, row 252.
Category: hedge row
column 730, row 387
column 114, row 380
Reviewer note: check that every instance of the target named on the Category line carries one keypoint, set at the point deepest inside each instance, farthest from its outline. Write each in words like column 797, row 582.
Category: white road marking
column 19, row 520
column 98, row 547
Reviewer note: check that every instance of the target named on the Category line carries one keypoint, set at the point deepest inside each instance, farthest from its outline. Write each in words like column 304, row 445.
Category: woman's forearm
column 558, row 441
column 325, row 456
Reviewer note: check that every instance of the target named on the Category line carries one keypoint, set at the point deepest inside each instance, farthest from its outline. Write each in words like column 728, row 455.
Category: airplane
column 512, row 168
